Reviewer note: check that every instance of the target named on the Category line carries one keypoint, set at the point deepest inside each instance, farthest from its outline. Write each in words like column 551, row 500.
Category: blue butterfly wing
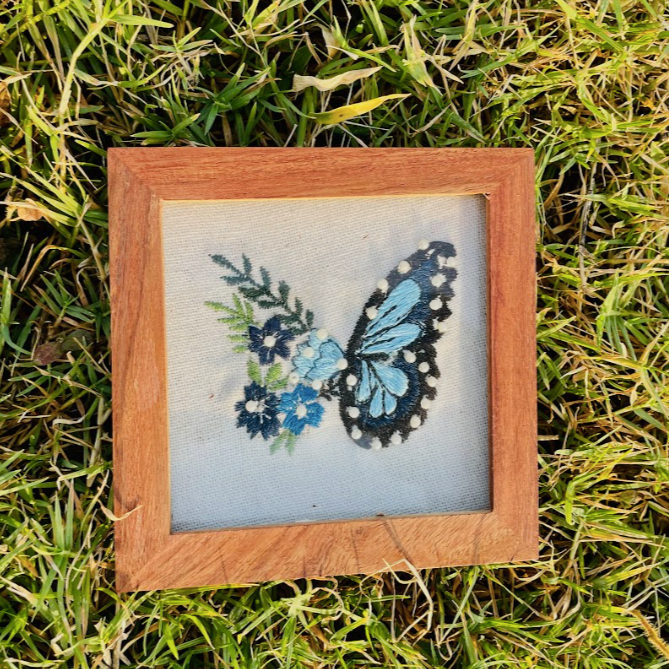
column 392, row 341
column 394, row 309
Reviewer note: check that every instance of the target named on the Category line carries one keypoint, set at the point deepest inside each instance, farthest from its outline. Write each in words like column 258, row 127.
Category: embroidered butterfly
column 385, row 380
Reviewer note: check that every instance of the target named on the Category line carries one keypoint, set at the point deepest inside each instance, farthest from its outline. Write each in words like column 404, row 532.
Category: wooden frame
column 148, row 555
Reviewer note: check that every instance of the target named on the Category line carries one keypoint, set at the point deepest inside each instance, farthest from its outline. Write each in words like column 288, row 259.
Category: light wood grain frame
column 148, row 554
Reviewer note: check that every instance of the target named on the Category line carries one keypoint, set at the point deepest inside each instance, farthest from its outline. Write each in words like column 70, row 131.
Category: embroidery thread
column 385, row 380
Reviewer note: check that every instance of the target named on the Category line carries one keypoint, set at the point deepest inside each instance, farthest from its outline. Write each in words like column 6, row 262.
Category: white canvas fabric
column 331, row 252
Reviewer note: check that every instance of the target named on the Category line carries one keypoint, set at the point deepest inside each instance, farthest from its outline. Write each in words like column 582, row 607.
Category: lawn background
column 585, row 84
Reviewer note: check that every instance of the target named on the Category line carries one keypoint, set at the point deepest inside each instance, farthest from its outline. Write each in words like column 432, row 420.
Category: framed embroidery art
column 323, row 361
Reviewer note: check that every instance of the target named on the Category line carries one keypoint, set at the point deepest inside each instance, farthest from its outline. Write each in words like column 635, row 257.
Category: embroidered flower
column 270, row 340
column 301, row 409
column 258, row 411
column 319, row 358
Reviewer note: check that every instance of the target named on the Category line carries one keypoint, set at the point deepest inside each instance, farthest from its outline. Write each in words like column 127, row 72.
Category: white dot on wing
column 437, row 280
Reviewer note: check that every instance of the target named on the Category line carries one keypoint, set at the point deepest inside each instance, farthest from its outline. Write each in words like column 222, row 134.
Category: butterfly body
column 391, row 360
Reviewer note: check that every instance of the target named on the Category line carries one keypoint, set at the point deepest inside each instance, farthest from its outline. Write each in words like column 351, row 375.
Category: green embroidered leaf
column 290, row 442
column 253, row 370
column 283, row 291
column 285, row 439
column 224, row 262
column 217, row 306
column 235, row 325
column 273, row 373
column 251, row 292
column 266, row 281
column 279, row 441
column 273, row 378
column 238, row 319
column 234, row 280
column 240, row 348
column 260, row 293
column 279, row 385
column 266, row 304
column 238, row 276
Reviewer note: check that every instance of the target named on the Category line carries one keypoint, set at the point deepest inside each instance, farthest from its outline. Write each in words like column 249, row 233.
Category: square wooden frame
column 148, row 554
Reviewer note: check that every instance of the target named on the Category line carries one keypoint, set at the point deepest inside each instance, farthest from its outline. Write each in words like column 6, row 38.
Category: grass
column 582, row 82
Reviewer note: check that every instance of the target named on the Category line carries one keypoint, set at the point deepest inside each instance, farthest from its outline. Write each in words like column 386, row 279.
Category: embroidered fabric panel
column 326, row 359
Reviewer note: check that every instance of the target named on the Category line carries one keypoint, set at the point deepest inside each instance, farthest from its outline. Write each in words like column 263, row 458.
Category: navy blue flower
column 258, row 411
column 270, row 340
column 301, row 409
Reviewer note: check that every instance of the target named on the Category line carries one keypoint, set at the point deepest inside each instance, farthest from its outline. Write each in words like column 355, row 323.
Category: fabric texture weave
column 332, row 252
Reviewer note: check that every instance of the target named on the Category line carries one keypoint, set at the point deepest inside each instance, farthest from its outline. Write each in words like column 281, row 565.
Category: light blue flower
column 319, row 358
column 301, row 409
